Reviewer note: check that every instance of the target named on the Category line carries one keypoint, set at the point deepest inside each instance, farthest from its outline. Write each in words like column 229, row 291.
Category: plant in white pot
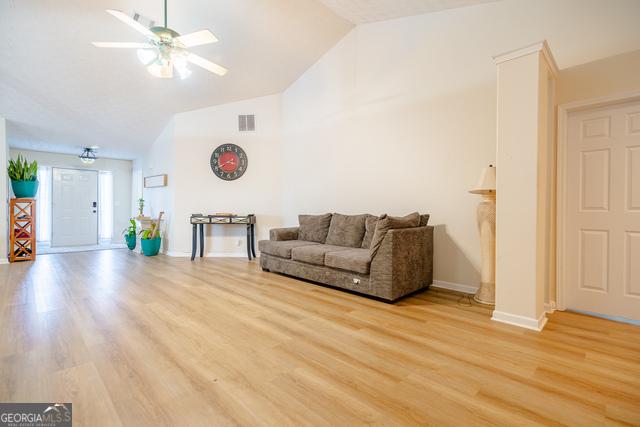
column 24, row 177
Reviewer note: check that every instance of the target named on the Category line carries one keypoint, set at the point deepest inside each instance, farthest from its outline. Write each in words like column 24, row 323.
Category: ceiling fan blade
column 206, row 64
column 132, row 23
column 123, row 45
column 196, row 39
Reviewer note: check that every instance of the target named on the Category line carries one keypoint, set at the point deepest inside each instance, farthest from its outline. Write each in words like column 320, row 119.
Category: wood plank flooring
column 164, row 341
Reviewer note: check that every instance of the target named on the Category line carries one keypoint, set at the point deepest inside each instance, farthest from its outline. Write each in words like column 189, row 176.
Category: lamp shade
column 487, row 182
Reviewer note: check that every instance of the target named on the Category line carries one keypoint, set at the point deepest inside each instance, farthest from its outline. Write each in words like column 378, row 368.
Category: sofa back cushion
column 386, row 223
column 346, row 230
column 369, row 229
column 314, row 228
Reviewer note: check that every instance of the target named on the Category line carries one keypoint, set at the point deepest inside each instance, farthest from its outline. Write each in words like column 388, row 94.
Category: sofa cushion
column 357, row 260
column 369, row 229
column 281, row 248
column 346, row 230
column 314, row 228
column 386, row 223
column 314, row 254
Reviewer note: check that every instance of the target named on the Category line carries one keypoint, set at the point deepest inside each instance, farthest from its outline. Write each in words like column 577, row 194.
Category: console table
column 199, row 221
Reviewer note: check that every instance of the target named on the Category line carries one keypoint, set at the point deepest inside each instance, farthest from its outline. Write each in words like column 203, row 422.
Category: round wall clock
column 229, row 162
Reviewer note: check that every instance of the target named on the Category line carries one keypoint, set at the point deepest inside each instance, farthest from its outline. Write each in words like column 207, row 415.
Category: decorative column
column 486, row 214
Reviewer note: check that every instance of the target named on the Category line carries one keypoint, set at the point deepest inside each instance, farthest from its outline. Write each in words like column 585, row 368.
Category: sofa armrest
column 287, row 233
column 404, row 262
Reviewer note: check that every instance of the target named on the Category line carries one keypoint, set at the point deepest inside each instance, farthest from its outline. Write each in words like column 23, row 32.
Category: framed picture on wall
column 155, row 181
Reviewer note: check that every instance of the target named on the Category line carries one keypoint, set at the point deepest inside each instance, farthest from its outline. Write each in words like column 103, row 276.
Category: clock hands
column 225, row 163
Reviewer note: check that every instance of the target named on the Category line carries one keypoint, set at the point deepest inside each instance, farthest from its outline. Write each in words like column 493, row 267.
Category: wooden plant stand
column 22, row 238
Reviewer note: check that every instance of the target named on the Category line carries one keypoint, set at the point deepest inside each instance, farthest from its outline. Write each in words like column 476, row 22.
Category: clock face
column 229, row 162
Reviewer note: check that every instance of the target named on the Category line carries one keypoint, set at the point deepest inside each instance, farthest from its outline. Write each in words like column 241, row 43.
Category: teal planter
column 151, row 247
column 24, row 189
column 131, row 241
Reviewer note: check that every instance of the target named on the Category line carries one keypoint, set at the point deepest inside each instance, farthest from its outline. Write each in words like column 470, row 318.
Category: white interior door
column 603, row 211
column 74, row 208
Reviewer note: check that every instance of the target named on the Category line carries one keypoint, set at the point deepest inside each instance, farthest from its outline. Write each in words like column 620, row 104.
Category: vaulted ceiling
column 364, row 11
column 60, row 93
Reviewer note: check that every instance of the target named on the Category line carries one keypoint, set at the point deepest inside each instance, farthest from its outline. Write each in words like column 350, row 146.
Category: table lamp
column 486, row 214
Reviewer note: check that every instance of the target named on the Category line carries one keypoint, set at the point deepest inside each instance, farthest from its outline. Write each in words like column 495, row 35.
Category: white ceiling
column 60, row 93
column 363, row 11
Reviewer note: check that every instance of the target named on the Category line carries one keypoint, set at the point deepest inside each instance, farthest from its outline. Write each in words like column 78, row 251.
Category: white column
column 522, row 223
column 4, row 192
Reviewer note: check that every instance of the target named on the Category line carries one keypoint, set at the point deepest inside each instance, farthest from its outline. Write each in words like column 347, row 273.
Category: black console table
column 199, row 220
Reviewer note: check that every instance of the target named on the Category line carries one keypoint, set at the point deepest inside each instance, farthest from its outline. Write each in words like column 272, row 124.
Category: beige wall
column 608, row 76
column 121, row 170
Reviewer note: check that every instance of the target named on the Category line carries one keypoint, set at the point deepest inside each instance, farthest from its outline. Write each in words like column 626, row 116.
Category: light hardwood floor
column 164, row 341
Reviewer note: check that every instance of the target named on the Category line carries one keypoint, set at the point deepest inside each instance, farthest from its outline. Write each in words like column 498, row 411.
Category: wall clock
column 229, row 162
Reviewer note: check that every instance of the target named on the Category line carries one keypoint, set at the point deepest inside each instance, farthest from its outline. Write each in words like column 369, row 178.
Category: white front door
column 74, row 209
column 603, row 211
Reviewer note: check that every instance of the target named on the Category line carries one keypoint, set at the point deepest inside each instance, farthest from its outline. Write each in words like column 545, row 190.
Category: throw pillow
column 386, row 223
column 314, row 228
column 369, row 229
column 346, row 230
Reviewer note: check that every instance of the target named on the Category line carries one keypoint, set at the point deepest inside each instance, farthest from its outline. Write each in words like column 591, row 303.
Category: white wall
column 183, row 151
column 121, row 170
column 198, row 190
column 400, row 115
column 159, row 160
column 4, row 193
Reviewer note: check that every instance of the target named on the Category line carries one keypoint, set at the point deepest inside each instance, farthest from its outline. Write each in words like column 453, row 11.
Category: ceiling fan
column 165, row 49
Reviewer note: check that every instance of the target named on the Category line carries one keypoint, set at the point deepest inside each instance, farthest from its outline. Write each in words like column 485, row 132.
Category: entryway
column 600, row 245
column 74, row 208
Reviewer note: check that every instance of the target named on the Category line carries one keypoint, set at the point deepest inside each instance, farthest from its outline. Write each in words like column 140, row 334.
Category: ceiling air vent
column 247, row 123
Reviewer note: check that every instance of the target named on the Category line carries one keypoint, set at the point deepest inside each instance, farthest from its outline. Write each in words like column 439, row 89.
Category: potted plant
column 130, row 234
column 24, row 177
column 150, row 239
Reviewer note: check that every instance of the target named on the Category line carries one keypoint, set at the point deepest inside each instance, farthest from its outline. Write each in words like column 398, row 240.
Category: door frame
column 97, row 191
column 561, row 169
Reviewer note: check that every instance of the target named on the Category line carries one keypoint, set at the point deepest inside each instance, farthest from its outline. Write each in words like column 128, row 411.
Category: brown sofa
column 337, row 250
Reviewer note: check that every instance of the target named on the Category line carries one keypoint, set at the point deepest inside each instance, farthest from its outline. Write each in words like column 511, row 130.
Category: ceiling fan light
column 164, row 71
column 183, row 71
column 146, row 55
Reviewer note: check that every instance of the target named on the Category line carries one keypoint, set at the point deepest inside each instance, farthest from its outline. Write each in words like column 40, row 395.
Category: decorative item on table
column 223, row 214
column 140, row 206
column 130, row 234
column 486, row 213
column 24, row 177
column 150, row 238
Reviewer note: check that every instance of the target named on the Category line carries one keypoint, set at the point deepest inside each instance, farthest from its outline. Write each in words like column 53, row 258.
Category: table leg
column 201, row 240
column 194, row 241
column 249, row 241
column 253, row 240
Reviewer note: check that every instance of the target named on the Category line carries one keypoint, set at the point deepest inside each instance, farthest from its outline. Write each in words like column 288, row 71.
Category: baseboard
column 550, row 307
column 4, row 261
column 521, row 321
column 467, row 289
column 207, row 255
